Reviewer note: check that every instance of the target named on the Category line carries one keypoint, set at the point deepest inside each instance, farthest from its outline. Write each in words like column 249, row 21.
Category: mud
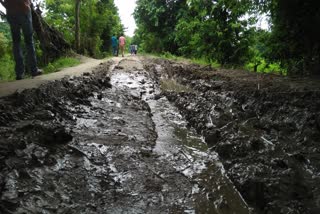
column 107, row 142
column 155, row 136
column 265, row 129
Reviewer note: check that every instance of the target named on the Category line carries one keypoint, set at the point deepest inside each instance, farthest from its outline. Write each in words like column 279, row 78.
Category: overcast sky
column 126, row 8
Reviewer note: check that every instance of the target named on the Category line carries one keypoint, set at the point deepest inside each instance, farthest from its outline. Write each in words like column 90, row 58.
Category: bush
column 7, row 68
column 3, row 45
column 264, row 67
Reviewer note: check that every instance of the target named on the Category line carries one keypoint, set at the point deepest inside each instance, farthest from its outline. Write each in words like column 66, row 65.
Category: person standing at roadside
column 114, row 43
column 122, row 43
column 20, row 18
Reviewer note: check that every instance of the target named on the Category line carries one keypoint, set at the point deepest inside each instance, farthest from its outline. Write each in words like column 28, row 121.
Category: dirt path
column 140, row 135
column 87, row 65
column 81, row 145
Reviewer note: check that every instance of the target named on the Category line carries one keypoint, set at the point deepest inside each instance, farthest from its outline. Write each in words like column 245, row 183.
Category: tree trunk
column 77, row 30
column 52, row 43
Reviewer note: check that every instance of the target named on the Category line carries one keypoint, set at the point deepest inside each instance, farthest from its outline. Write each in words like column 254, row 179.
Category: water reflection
column 212, row 191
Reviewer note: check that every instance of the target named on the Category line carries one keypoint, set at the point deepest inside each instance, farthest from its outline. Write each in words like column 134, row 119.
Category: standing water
column 180, row 147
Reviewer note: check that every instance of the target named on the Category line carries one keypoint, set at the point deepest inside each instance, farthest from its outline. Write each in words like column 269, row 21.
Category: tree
column 77, row 25
column 156, row 20
column 294, row 39
column 213, row 29
column 99, row 20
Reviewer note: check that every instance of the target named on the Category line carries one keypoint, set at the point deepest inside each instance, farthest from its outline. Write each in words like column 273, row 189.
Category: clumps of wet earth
column 156, row 136
column 265, row 129
column 41, row 170
column 107, row 142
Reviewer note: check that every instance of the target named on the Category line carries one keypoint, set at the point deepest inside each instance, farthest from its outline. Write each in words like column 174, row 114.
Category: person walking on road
column 122, row 43
column 114, row 43
column 20, row 18
column 132, row 49
column 135, row 49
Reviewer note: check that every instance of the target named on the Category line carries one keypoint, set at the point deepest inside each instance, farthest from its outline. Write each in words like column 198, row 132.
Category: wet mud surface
column 156, row 136
column 107, row 142
column 265, row 129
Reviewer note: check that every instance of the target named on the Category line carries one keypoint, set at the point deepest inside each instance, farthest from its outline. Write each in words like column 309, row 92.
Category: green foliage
column 6, row 61
column 7, row 68
column 5, row 30
column 294, row 39
column 259, row 51
column 156, row 20
column 214, row 30
column 204, row 62
column 3, row 45
column 223, row 31
column 61, row 63
column 169, row 55
column 99, row 20
column 264, row 67
column 217, row 31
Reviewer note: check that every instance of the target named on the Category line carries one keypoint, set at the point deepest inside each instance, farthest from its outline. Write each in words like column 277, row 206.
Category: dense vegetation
column 225, row 31
column 86, row 25
column 98, row 20
column 222, row 32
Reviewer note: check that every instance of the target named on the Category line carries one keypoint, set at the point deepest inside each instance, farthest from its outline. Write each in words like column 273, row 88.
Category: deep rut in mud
column 155, row 136
column 81, row 146
column 266, row 130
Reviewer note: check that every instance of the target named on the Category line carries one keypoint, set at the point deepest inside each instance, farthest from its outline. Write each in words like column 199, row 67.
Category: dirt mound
column 34, row 141
column 265, row 128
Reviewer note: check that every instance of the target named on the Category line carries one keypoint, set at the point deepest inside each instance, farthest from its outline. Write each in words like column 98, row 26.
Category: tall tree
column 294, row 39
column 99, row 20
column 77, row 24
column 156, row 20
column 214, row 29
column 295, row 35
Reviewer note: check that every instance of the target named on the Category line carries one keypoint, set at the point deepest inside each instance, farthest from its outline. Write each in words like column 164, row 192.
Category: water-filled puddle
column 184, row 149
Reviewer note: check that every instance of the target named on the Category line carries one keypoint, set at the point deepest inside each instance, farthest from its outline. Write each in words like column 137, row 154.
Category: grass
column 7, row 67
column 61, row 63
column 204, row 62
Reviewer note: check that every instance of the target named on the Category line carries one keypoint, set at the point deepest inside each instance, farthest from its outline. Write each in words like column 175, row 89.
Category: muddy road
column 155, row 136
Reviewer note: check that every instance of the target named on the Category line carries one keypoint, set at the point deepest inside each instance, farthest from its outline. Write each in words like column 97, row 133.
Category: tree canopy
column 99, row 19
column 222, row 31
column 225, row 31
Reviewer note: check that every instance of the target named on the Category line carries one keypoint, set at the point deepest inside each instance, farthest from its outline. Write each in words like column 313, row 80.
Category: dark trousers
column 17, row 23
column 115, row 50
